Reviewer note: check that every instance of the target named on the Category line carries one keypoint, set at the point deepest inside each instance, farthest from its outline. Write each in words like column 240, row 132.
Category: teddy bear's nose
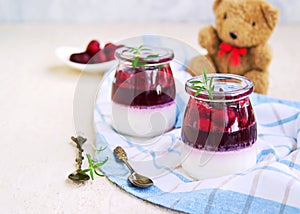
column 233, row 35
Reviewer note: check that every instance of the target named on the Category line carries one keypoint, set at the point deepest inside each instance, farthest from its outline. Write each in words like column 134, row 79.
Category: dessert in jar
column 219, row 127
column 143, row 91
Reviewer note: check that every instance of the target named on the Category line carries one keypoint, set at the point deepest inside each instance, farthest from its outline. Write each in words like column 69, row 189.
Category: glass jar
column 219, row 132
column 143, row 91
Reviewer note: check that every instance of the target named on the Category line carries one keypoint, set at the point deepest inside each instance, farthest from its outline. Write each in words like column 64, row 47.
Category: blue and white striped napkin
column 271, row 186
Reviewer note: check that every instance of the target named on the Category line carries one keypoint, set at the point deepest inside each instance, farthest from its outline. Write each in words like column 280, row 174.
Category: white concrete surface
column 36, row 92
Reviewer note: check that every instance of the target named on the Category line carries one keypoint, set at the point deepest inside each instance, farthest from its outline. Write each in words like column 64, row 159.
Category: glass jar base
column 201, row 164
column 143, row 121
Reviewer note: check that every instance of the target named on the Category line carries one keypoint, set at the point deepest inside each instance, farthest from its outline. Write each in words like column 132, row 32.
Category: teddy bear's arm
column 260, row 80
column 209, row 39
column 258, row 73
column 261, row 56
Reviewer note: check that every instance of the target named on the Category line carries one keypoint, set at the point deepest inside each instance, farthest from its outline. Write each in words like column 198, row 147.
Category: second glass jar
column 219, row 132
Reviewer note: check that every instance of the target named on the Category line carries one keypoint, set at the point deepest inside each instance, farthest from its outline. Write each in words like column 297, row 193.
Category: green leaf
column 141, row 63
column 198, row 92
column 90, row 161
column 85, row 170
column 97, row 165
column 204, row 71
column 198, row 87
column 210, row 82
column 135, row 61
column 97, row 173
column 92, row 174
column 194, row 87
column 196, row 82
column 204, row 75
column 101, row 149
column 151, row 56
column 145, row 49
column 159, row 67
column 210, row 94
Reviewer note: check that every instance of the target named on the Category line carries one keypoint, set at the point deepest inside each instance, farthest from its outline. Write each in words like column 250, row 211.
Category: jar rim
column 158, row 55
column 227, row 87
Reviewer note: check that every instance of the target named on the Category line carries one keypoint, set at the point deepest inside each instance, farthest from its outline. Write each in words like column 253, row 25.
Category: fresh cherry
column 110, row 49
column 80, row 57
column 108, row 44
column 93, row 47
column 204, row 124
column 99, row 57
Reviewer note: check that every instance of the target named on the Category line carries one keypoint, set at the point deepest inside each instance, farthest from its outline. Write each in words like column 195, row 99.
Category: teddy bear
column 238, row 43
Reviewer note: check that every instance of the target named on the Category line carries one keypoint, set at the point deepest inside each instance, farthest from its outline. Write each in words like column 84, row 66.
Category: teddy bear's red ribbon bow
column 234, row 53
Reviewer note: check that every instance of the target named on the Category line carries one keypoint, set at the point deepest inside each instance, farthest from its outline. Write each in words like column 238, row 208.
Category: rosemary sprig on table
column 137, row 52
column 205, row 85
column 93, row 165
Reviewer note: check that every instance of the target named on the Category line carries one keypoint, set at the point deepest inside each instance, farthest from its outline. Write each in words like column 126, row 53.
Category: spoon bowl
column 78, row 176
column 139, row 180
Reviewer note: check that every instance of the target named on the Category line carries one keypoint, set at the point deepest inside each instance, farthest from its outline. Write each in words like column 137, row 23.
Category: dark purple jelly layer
column 219, row 141
column 135, row 97
column 143, row 86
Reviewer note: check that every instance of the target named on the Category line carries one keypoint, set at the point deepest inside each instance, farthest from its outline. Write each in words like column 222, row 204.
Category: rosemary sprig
column 206, row 84
column 93, row 165
column 138, row 51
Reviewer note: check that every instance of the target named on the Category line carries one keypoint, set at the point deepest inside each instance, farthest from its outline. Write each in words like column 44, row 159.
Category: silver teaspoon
column 134, row 178
column 78, row 176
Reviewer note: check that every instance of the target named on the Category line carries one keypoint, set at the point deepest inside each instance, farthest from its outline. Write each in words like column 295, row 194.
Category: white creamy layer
column 201, row 164
column 143, row 121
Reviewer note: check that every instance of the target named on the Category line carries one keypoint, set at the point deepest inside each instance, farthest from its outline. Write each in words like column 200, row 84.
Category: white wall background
column 95, row 11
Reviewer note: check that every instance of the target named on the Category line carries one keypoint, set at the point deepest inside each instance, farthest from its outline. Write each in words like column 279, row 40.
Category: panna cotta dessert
column 219, row 128
column 143, row 92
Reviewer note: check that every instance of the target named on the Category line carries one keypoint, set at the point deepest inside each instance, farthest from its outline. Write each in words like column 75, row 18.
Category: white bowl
column 64, row 53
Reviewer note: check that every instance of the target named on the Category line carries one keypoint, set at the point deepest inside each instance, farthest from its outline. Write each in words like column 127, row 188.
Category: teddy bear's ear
column 216, row 4
column 270, row 14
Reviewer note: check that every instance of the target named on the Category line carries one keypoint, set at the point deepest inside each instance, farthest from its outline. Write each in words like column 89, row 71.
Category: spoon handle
column 79, row 142
column 121, row 155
